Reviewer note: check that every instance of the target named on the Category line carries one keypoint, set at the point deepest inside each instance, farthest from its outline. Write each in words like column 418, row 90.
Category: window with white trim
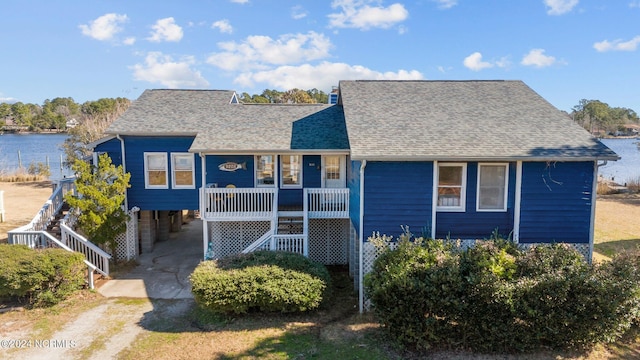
column 452, row 179
column 264, row 167
column 183, row 171
column 493, row 180
column 291, row 171
column 156, row 175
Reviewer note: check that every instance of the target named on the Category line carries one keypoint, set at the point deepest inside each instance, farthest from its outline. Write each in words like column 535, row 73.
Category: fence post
column 1, row 206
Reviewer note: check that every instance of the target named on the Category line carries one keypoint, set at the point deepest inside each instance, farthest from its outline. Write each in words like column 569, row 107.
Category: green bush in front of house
column 39, row 277
column 494, row 297
column 264, row 280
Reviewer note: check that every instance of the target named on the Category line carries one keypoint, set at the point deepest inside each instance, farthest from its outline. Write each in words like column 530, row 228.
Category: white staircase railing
column 34, row 235
column 92, row 253
column 42, row 239
column 259, row 244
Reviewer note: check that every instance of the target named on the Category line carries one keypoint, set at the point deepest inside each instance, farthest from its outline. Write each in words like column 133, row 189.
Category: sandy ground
column 22, row 201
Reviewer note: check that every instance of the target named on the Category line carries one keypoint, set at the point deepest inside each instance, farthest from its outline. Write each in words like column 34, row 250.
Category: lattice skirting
column 231, row 237
column 127, row 248
column 328, row 241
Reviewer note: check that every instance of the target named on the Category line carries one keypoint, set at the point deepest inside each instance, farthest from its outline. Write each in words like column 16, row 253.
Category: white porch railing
column 42, row 239
column 326, row 203
column 227, row 204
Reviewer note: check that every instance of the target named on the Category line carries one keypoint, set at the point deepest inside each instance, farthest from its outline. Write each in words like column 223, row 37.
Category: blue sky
column 566, row 50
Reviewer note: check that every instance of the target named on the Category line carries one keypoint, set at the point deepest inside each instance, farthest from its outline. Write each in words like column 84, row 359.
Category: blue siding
column 311, row 175
column 311, row 178
column 242, row 178
column 353, row 183
column 159, row 199
column 556, row 202
column 397, row 193
column 477, row 225
column 113, row 149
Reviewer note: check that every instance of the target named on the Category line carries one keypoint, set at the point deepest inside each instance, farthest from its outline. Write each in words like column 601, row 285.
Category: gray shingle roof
column 376, row 120
column 223, row 127
column 456, row 120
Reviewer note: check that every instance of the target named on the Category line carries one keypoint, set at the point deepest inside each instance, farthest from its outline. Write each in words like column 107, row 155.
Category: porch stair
column 288, row 233
column 52, row 227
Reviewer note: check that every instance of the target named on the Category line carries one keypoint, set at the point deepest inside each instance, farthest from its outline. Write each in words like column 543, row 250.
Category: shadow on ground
column 610, row 248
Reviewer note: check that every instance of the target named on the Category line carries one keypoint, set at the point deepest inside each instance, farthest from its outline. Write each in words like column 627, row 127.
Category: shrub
column 416, row 292
column 39, row 277
column 493, row 297
column 263, row 280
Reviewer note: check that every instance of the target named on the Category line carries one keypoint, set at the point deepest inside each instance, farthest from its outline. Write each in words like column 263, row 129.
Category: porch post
column 516, row 206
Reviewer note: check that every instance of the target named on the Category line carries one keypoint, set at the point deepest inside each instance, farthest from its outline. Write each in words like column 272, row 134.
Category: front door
column 333, row 171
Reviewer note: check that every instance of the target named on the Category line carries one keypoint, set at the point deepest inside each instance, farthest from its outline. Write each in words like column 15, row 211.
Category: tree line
column 54, row 114
column 292, row 96
column 597, row 116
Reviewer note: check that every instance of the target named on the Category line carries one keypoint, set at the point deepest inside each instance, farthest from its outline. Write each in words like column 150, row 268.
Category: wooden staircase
column 54, row 227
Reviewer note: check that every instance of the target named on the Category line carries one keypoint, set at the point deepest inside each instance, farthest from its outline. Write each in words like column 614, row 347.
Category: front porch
column 248, row 219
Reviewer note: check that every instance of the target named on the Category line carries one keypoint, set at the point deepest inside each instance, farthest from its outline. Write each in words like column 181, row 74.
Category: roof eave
column 270, row 151
column 484, row 158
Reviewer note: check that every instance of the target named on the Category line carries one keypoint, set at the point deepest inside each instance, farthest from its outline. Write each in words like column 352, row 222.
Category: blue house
column 455, row 159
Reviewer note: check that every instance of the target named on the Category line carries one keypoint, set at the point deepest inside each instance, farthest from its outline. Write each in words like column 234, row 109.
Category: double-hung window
column 493, row 180
column 182, row 170
column 265, row 167
column 452, row 178
column 291, row 167
column 156, row 175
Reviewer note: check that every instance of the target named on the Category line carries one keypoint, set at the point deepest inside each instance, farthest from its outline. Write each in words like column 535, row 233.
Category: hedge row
column 494, row 297
column 39, row 277
column 264, row 280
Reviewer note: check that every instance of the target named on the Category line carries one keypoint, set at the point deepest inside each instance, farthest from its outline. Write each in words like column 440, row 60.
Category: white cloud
column 634, row 4
column 162, row 69
column 8, row 100
column 537, row 58
column 129, row 41
column 617, row 45
column 321, row 76
column 240, row 1
column 446, row 4
column 104, row 27
column 475, row 63
column 165, row 30
column 360, row 15
column 258, row 52
column 223, row 25
column 559, row 7
column 298, row 12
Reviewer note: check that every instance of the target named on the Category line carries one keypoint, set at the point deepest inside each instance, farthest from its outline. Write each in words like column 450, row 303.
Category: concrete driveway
column 163, row 273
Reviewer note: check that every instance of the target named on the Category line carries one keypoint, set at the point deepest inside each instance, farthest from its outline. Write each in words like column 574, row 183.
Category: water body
column 33, row 148
column 628, row 167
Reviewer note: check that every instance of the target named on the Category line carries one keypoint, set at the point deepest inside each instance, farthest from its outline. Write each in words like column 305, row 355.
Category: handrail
column 50, row 208
column 259, row 243
column 76, row 242
column 42, row 239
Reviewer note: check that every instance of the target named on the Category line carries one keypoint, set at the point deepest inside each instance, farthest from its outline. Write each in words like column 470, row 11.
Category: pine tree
column 100, row 196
